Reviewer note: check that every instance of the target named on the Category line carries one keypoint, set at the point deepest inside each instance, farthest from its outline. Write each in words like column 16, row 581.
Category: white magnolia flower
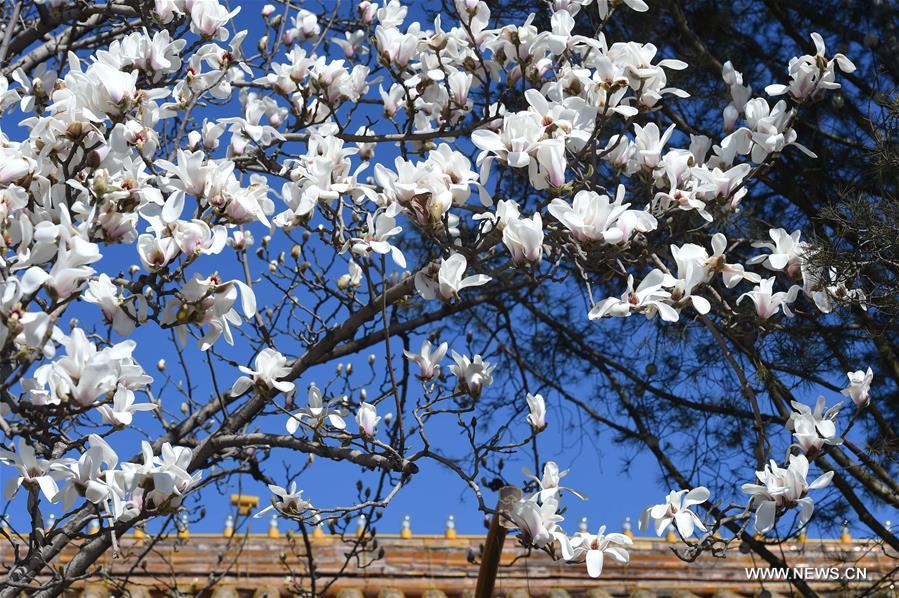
column 121, row 412
column 115, row 309
column 731, row 274
column 317, row 412
column 767, row 302
column 271, row 366
column 367, row 418
column 676, row 509
column 593, row 548
column 538, row 523
column 208, row 19
column 289, row 502
column 783, row 488
column 594, row 217
column 648, row 298
column 473, row 374
column 550, row 488
column 449, row 279
column 524, row 238
column 33, row 471
column 428, row 360
column 810, row 75
column 86, row 476
column 859, row 387
column 814, row 429
column 537, row 411
column 514, row 144
column 381, row 228
column 787, row 252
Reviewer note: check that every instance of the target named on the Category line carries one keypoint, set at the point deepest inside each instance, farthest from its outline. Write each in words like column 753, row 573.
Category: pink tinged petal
column 594, row 563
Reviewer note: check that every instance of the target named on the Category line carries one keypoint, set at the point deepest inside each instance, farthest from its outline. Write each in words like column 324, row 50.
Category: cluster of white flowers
column 537, row 519
column 780, row 488
column 94, row 171
column 155, row 486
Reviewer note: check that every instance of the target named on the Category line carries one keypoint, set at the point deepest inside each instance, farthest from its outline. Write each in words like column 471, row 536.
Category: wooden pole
column 493, row 545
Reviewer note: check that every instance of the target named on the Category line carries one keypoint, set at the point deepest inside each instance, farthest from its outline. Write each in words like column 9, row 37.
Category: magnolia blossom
column 115, row 310
column 812, row 74
column 594, row 217
column 123, row 407
column 859, row 387
column 209, row 302
column 593, row 548
column 538, row 522
column 449, row 279
column 367, row 418
column 524, row 238
column 814, row 429
column 648, row 298
column 428, row 360
column 317, row 412
column 83, row 477
column 380, row 229
column 537, row 411
column 676, row 510
column 32, row 470
column 767, row 302
column 473, row 374
column 271, row 367
column 783, row 488
column 550, row 488
column 787, row 252
column 288, row 502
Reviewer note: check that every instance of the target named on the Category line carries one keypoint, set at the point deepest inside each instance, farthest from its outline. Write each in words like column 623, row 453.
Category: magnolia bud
column 267, row 10
column 160, row 365
column 371, row 359
column 295, row 252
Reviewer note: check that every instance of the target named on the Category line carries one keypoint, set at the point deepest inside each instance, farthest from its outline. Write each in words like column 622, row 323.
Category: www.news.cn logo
column 807, row 573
